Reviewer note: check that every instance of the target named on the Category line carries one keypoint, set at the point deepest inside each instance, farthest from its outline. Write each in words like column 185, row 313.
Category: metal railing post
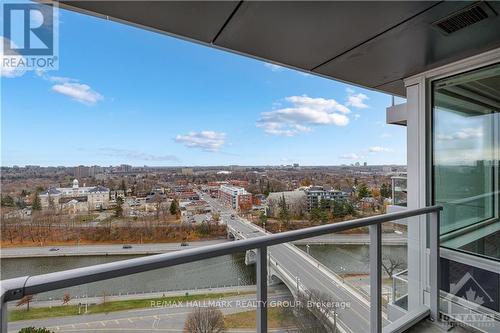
column 434, row 265
column 3, row 317
column 375, row 278
column 262, row 290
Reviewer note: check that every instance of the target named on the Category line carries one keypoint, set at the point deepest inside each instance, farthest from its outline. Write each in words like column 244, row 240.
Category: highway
column 353, row 319
column 95, row 250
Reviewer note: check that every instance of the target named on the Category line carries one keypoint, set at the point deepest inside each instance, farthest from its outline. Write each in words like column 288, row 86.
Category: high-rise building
column 82, row 171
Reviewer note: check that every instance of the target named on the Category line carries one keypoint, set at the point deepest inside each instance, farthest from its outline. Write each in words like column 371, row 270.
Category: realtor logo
column 29, row 36
column 468, row 287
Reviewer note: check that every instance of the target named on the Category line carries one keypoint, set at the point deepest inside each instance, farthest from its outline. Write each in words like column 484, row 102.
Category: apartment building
column 235, row 197
column 316, row 195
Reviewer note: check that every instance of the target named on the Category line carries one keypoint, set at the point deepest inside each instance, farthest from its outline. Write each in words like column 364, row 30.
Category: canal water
column 222, row 271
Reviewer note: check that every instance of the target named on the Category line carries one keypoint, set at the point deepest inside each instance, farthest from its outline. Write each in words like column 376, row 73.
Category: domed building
column 75, row 199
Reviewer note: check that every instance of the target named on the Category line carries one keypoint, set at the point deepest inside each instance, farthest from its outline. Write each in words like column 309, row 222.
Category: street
column 157, row 318
column 303, row 270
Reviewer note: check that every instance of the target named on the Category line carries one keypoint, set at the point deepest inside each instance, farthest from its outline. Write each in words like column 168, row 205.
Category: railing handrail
column 13, row 289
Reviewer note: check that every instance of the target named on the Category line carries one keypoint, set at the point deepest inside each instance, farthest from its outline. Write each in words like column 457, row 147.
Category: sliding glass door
column 465, row 169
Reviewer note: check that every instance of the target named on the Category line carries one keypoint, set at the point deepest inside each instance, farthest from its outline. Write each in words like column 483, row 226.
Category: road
column 354, row 239
column 95, row 250
column 157, row 318
column 299, row 267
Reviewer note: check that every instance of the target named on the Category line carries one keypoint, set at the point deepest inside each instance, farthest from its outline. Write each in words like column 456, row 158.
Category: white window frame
column 419, row 104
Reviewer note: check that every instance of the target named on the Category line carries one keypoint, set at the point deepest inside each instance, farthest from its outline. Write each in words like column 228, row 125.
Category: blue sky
column 126, row 95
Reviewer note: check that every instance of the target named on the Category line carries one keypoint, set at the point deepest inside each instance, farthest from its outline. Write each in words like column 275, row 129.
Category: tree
column 338, row 208
column 262, row 218
column 216, row 217
column 385, row 191
column 66, row 298
column 26, row 300
column 306, row 182
column 363, row 191
column 342, row 208
column 323, row 216
column 205, row 320
column 315, row 215
column 158, row 199
column 392, row 264
column 32, row 329
column 37, row 204
column 323, row 204
column 7, row 201
column 283, row 213
column 123, row 186
column 174, row 207
column 119, row 207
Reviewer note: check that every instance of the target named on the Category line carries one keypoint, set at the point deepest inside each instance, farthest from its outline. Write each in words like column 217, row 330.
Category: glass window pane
column 465, row 158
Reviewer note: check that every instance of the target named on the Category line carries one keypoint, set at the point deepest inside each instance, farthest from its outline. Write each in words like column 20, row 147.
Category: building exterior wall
column 315, row 194
column 235, row 197
column 95, row 198
column 419, row 129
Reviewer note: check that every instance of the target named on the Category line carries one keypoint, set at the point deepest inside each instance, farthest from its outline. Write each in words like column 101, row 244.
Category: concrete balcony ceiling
column 372, row 44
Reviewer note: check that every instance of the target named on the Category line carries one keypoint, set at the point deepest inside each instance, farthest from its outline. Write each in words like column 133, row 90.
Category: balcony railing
column 17, row 288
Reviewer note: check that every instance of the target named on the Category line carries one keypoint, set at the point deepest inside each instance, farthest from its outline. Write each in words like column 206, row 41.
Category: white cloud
column 205, row 140
column 463, row 134
column 273, row 67
column 378, row 149
column 356, row 100
column 79, row 92
column 386, row 135
column 10, row 71
column 318, row 103
column 350, row 156
column 61, row 79
column 274, row 128
column 304, row 113
column 357, row 116
column 55, row 79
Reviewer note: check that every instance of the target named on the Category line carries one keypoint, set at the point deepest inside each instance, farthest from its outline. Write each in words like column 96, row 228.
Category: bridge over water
column 302, row 274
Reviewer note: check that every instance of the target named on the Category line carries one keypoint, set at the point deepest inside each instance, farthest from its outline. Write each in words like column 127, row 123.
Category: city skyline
column 176, row 103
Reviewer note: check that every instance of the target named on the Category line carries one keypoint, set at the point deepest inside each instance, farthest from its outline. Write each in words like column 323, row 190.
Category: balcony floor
column 425, row 326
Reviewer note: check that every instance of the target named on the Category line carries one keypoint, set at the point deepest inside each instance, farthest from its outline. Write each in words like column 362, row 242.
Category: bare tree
column 66, row 298
column 392, row 264
column 25, row 300
column 205, row 320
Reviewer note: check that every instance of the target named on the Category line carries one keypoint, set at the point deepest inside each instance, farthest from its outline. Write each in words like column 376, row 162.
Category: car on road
column 184, row 244
column 126, row 246
column 232, row 216
column 54, row 249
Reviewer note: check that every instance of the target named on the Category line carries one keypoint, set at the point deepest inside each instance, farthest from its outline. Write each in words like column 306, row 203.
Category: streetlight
column 342, row 268
column 307, row 248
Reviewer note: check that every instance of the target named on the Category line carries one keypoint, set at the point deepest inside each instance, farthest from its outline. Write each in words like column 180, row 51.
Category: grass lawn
column 276, row 318
column 72, row 310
